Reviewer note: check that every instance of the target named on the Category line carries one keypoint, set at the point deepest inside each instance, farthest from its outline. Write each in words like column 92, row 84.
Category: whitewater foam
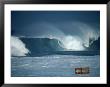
column 18, row 47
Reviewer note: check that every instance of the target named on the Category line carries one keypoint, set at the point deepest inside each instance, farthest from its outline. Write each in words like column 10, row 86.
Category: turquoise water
column 54, row 66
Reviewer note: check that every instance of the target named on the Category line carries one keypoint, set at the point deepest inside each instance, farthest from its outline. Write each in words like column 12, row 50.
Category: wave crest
column 18, row 47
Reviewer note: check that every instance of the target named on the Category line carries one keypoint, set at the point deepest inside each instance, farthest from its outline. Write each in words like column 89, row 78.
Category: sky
column 33, row 23
column 73, row 28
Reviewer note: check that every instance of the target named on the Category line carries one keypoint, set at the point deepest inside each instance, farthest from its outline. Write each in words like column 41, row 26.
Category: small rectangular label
column 82, row 70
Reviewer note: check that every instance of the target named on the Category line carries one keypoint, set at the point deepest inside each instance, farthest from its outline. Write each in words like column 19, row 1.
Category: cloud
column 18, row 48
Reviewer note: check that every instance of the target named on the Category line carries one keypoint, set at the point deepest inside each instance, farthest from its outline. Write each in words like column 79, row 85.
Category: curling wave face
column 51, row 38
column 47, row 46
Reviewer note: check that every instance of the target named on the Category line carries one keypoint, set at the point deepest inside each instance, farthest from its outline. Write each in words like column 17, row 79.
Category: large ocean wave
column 49, row 46
column 51, row 38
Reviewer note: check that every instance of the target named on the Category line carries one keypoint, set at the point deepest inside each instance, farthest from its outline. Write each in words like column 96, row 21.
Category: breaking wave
column 18, row 47
column 73, row 35
column 54, row 38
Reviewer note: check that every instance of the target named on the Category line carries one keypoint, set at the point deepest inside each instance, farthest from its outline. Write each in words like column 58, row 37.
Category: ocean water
column 54, row 66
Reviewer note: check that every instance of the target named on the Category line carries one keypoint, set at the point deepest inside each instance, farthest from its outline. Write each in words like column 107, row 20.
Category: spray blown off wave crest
column 87, row 33
column 81, row 36
column 18, row 47
column 73, row 36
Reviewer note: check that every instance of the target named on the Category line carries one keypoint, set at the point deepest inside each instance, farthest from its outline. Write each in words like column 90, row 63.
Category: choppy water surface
column 54, row 66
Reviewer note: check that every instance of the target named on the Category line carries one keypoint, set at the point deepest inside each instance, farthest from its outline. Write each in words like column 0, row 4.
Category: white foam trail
column 18, row 47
